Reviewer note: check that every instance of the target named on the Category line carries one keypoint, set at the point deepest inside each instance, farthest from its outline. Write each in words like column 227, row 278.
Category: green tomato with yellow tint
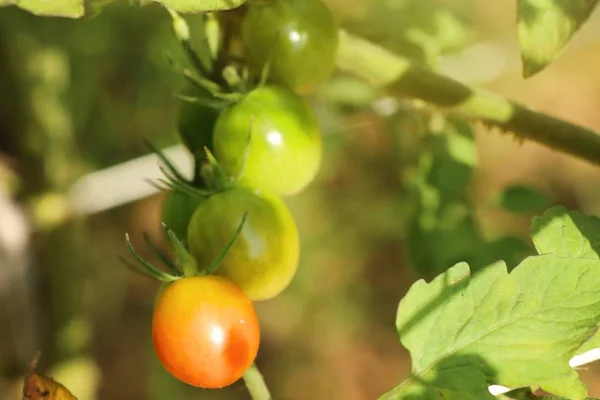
column 264, row 258
column 283, row 154
column 299, row 37
column 177, row 210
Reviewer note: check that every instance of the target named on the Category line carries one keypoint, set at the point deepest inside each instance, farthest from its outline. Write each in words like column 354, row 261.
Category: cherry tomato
column 205, row 331
column 300, row 36
column 177, row 210
column 195, row 122
column 264, row 258
column 284, row 153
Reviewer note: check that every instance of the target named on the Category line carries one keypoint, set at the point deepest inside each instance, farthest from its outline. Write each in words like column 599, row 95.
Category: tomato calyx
column 184, row 265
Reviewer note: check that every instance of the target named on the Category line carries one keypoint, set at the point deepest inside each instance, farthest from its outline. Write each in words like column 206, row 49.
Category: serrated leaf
column 201, row 6
column 566, row 234
column 53, row 8
column 518, row 329
column 546, row 26
column 521, row 199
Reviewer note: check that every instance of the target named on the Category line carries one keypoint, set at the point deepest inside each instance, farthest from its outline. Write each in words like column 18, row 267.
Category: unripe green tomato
column 264, row 258
column 300, row 36
column 177, row 210
column 195, row 122
column 284, row 153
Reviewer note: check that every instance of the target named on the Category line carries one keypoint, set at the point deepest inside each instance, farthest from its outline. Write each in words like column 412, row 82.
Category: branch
column 403, row 77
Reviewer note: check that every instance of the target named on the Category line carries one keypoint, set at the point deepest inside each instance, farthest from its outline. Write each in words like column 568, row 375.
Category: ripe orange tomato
column 205, row 331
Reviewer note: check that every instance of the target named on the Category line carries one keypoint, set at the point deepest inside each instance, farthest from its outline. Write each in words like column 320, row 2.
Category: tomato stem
column 256, row 384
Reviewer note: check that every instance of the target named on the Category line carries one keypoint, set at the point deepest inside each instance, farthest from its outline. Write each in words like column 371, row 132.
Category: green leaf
column 521, row 199
column 201, row 6
column 53, row 8
column 546, row 26
column 93, row 7
column 7, row 2
column 566, row 234
column 516, row 330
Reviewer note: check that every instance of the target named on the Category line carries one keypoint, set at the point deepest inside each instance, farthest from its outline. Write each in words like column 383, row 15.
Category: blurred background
column 404, row 192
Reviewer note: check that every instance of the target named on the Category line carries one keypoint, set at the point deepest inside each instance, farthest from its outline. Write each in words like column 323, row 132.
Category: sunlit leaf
column 566, row 234
column 53, row 8
column 196, row 6
column 546, row 26
column 514, row 329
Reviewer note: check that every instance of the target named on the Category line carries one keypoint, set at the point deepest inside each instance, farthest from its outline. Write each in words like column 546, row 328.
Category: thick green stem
column 403, row 77
column 256, row 384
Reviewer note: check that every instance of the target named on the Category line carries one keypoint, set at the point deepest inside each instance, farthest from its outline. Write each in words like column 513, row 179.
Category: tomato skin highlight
column 205, row 331
column 264, row 258
column 301, row 36
column 285, row 149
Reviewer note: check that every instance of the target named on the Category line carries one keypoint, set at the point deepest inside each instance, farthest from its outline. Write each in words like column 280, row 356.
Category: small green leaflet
column 516, row 330
column 546, row 26
column 199, row 6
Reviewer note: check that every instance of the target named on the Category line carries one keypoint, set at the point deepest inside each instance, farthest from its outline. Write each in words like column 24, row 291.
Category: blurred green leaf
column 347, row 91
column 443, row 230
column 521, row 199
column 514, row 329
column 511, row 249
column 420, row 29
column 93, row 7
column 203, row 6
column 546, row 26
column 562, row 398
column 59, row 8
column 55, row 8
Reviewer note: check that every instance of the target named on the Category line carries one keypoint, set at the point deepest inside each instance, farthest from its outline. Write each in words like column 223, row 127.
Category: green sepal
column 147, row 268
column 185, row 262
column 212, row 268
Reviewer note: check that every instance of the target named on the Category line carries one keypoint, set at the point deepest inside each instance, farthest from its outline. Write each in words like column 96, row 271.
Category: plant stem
column 403, row 77
column 256, row 384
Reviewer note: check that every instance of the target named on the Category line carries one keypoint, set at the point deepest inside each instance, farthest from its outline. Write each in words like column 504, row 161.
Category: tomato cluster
column 254, row 140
